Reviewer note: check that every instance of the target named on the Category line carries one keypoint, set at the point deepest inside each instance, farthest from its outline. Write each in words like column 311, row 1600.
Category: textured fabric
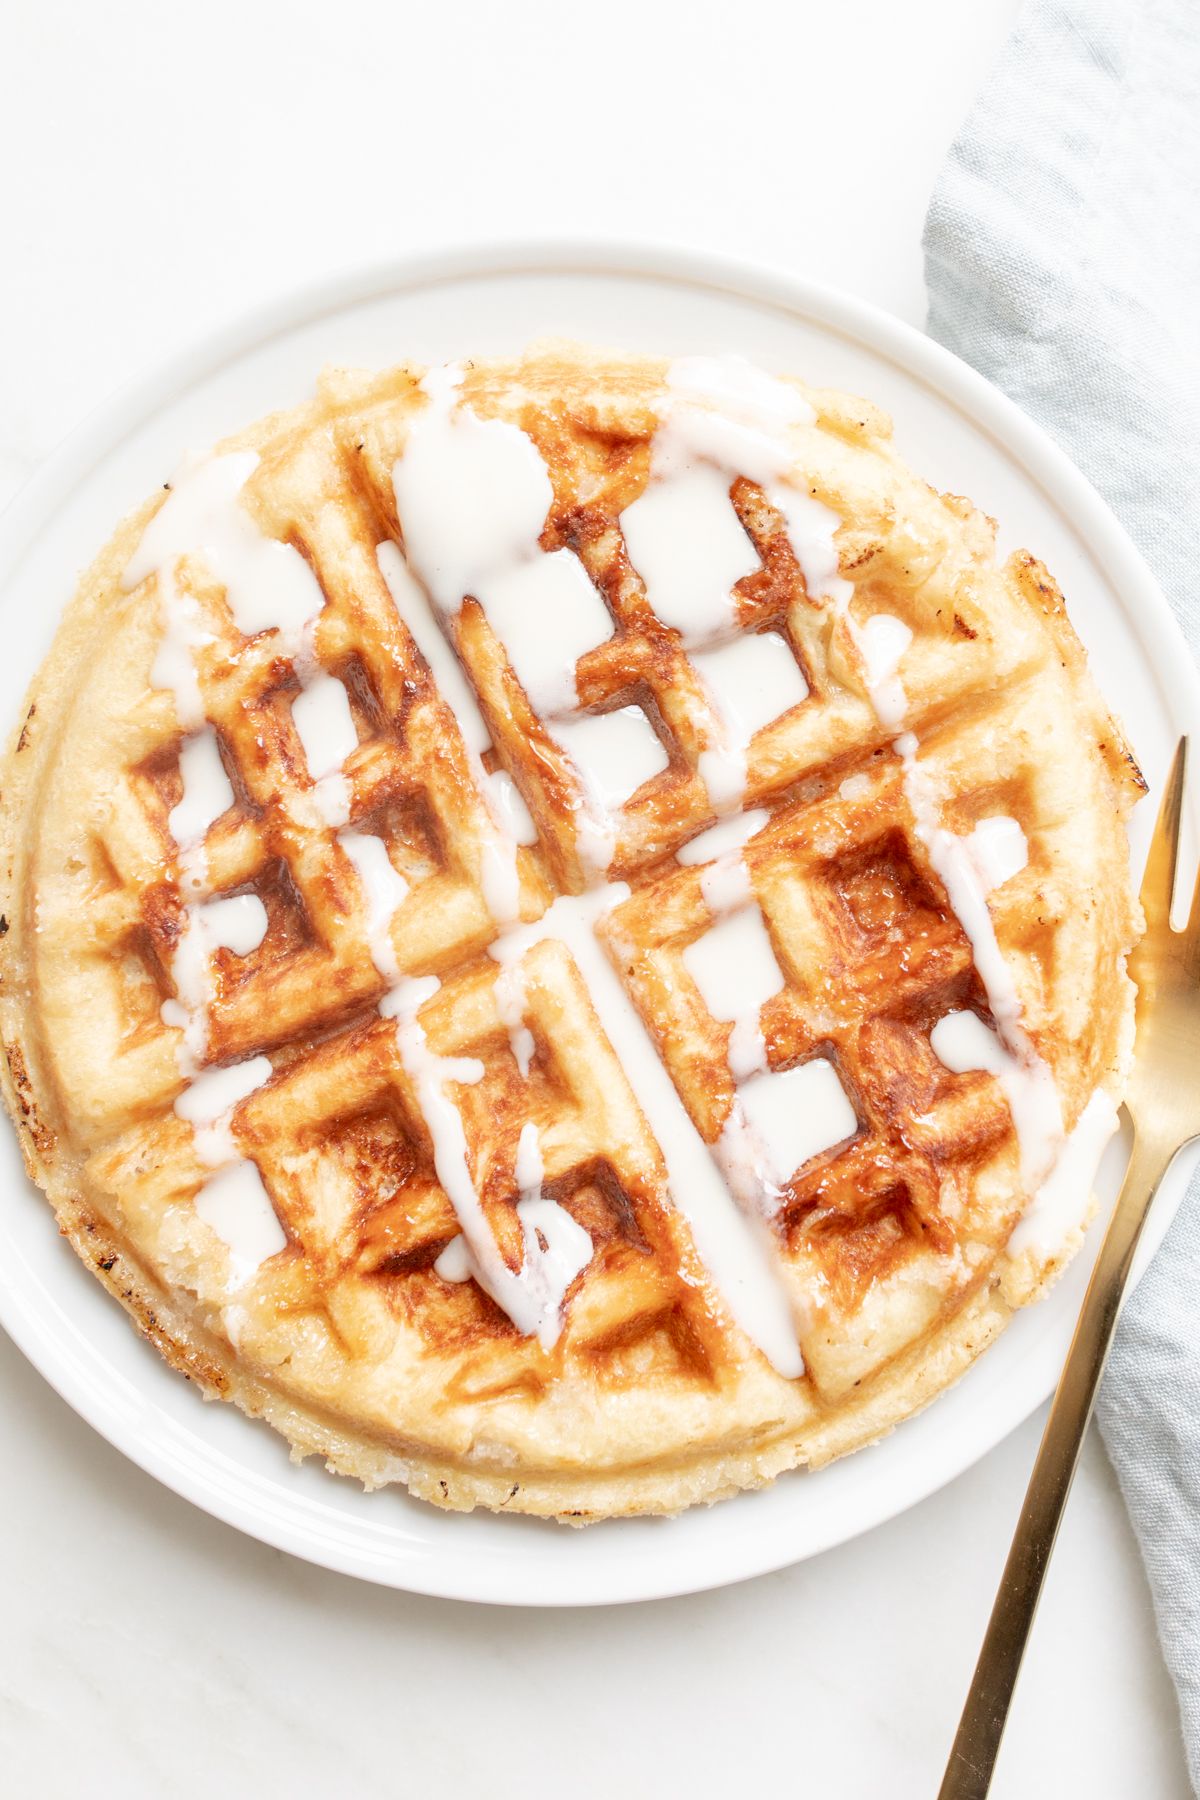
column 1063, row 260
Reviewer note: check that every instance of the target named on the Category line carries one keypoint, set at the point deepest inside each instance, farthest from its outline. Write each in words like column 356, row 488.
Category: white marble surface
column 163, row 168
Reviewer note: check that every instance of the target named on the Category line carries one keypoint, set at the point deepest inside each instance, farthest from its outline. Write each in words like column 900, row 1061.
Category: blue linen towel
column 1062, row 258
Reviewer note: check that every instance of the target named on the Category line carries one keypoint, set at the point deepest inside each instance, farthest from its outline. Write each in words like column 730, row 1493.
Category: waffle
column 564, row 929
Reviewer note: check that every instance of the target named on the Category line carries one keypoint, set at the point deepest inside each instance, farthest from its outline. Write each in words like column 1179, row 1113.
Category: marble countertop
column 166, row 168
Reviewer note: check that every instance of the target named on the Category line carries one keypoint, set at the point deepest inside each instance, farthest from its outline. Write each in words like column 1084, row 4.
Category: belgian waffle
column 565, row 928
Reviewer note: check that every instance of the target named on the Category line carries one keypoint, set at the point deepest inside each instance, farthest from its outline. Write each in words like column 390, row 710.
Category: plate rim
column 102, row 433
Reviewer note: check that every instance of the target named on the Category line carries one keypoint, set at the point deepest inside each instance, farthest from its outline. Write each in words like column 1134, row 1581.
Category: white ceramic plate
column 952, row 427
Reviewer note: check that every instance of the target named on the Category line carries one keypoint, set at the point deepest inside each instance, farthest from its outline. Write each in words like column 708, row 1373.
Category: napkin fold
column 1062, row 259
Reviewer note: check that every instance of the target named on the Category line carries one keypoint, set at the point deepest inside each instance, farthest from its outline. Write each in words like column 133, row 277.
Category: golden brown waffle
column 892, row 1244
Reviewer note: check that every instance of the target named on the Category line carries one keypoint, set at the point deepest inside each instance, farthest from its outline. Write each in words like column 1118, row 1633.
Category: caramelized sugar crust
column 893, row 1243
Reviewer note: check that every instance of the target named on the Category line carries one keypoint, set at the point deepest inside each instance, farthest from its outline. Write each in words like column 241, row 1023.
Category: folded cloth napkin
column 1062, row 257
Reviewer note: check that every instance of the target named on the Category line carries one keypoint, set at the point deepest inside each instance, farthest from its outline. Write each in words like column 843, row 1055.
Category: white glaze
column 325, row 726
column 472, row 496
column 732, row 1247
column 207, row 795
column 725, row 884
column 174, row 665
column 234, row 1204
column 531, row 1296
column 499, row 873
column 546, row 613
column 268, row 585
column 881, row 642
column 510, row 1004
column 736, row 386
column 412, row 604
column 962, row 1042
column 688, row 545
column 383, row 889
column 529, row 1171
column 780, row 1120
column 557, row 1248
column 509, row 804
column 999, row 850
column 751, row 682
column 208, row 1104
column 724, row 418
column 238, row 923
column 729, row 834
column 1060, row 1205
column 1028, row 1083
column 613, row 754
column 735, row 971
column 454, row 1263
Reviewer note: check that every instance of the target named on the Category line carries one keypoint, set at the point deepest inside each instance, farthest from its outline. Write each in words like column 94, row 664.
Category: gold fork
column 1164, row 1103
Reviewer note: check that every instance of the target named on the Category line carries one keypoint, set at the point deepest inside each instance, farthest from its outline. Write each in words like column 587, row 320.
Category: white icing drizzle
column 687, row 543
column 554, row 1241
column 734, row 968
column 268, row 585
column 999, row 850
column 1060, row 1204
column 508, row 801
column 725, row 418
column 730, row 834
column 725, row 884
column 454, row 1263
column 751, row 682
column 530, row 1171
column 325, row 726
column 531, row 1296
column 413, row 605
column 237, row 923
column 1028, row 1083
column 207, row 794
column 208, row 1104
column 384, row 888
column 962, row 1042
column 881, row 643
column 547, row 614
column 510, row 1004
column 729, row 418
column 473, row 496
column 235, row 1204
column 614, row 754
column 732, row 1247
column 557, row 1248
column 966, row 868
column 499, row 873
column 780, row 1120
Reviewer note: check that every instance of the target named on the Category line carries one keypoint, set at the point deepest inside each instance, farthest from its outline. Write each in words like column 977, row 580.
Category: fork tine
column 1158, row 883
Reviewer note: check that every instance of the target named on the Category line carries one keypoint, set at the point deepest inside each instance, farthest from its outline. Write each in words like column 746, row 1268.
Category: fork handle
column 972, row 1759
